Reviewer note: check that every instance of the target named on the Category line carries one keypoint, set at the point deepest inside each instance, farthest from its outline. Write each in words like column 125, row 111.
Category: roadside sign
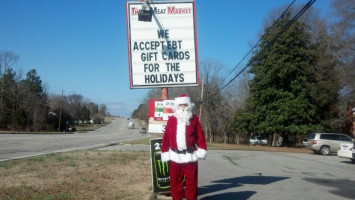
column 160, row 170
column 163, row 52
column 159, row 112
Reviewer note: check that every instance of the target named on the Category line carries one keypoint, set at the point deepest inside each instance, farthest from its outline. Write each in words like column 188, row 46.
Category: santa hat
column 183, row 99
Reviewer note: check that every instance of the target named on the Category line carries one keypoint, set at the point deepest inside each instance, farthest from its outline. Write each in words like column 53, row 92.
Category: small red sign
column 159, row 112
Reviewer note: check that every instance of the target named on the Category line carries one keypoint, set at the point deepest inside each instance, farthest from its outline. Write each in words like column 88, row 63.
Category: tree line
column 25, row 104
column 297, row 82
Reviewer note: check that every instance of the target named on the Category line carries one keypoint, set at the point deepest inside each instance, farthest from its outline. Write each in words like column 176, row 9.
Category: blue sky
column 80, row 46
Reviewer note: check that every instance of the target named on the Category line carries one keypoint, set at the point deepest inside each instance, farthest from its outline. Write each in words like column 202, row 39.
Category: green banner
column 160, row 170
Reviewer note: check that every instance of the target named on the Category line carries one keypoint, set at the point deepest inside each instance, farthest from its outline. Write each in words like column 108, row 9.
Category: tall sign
column 163, row 52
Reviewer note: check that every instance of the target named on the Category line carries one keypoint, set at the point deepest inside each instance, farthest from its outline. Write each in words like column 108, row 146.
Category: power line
column 272, row 26
column 293, row 20
column 283, row 30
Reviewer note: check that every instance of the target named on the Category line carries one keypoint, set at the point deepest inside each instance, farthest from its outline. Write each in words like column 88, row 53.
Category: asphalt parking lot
column 232, row 174
column 260, row 175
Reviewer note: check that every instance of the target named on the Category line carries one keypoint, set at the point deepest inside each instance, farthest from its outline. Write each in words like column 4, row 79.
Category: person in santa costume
column 183, row 144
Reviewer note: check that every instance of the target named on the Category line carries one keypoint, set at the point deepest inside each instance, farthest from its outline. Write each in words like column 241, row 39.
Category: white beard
column 183, row 115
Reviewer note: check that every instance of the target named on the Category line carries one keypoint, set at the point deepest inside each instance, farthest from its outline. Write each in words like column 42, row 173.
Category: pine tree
column 283, row 92
column 8, row 98
column 34, row 100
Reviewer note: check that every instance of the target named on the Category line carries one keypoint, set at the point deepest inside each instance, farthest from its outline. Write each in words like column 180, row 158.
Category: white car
column 263, row 141
column 254, row 140
column 346, row 151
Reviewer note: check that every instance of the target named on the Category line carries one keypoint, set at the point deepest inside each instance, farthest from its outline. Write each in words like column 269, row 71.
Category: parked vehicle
column 346, row 151
column 254, row 140
column 304, row 142
column 143, row 131
column 131, row 125
column 326, row 143
column 262, row 141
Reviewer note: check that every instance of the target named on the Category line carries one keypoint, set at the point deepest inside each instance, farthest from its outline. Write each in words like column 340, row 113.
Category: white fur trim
column 182, row 100
column 201, row 153
column 180, row 135
column 165, row 157
column 183, row 158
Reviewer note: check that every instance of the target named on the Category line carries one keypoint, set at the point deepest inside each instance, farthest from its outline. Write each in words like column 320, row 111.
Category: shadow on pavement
column 231, row 196
column 236, row 182
column 347, row 162
column 343, row 187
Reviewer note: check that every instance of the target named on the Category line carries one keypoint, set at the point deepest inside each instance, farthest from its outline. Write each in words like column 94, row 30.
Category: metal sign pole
column 164, row 93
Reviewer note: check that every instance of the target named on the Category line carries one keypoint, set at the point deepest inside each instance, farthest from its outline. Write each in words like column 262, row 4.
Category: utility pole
column 201, row 97
column 60, row 111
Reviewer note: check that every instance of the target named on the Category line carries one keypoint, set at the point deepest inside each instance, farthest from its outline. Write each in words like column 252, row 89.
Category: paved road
column 13, row 146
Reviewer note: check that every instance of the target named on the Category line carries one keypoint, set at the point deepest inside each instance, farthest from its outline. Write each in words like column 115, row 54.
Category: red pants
column 177, row 174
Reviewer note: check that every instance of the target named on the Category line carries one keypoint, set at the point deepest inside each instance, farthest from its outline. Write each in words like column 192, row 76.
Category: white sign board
column 163, row 52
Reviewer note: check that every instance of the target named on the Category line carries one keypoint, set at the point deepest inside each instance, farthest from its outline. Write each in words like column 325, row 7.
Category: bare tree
column 7, row 60
column 75, row 103
column 103, row 110
column 55, row 101
column 215, row 112
column 343, row 31
column 236, row 95
column 93, row 108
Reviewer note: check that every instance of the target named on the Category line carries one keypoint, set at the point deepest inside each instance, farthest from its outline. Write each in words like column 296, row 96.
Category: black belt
column 190, row 150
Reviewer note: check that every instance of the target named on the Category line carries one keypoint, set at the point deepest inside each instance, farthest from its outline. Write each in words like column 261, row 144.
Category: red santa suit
column 183, row 144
